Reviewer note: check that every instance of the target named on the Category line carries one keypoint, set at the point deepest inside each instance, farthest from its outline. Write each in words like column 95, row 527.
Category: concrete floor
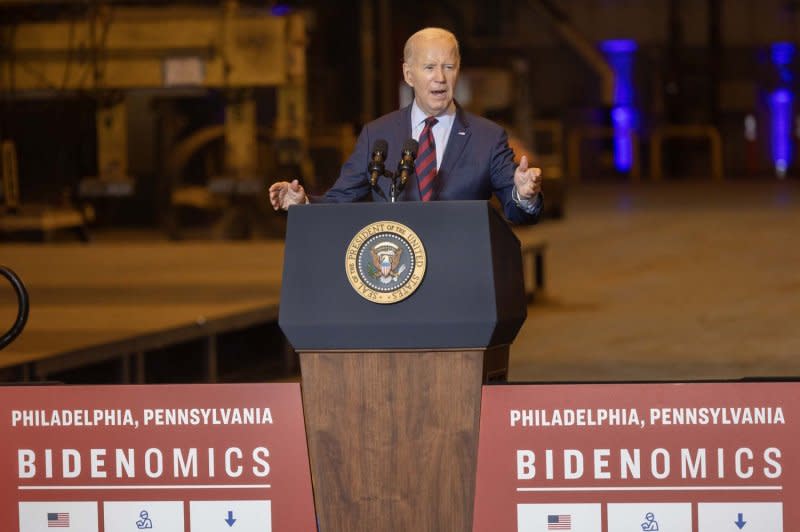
column 673, row 281
column 679, row 281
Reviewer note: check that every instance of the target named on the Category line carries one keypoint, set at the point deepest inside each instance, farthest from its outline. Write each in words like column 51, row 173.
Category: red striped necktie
column 426, row 160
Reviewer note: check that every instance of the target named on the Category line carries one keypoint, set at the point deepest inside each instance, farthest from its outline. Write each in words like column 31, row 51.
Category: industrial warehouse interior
column 139, row 139
column 359, row 265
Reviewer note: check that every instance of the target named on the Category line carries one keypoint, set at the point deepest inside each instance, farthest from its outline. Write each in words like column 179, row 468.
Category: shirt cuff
column 530, row 206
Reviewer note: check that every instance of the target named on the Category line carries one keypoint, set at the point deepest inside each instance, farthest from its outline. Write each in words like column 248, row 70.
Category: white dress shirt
column 441, row 130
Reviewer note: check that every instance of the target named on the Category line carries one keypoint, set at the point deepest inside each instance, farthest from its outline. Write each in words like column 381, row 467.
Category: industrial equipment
column 110, row 52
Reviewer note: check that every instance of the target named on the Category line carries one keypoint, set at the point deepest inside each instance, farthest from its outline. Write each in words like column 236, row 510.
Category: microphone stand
column 405, row 168
column 393, row 188
column 377, row 189
column 377, row 170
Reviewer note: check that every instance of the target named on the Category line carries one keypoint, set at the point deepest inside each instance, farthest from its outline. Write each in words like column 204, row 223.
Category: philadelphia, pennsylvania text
column 148, row 417
column 591, row 417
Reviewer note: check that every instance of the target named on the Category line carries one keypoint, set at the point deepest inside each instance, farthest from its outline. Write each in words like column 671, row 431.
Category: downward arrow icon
column 230, row 520
column 741, row 522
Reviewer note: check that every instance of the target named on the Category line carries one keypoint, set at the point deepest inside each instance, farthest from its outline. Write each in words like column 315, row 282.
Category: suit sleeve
column 353, row 182
column 502, row 167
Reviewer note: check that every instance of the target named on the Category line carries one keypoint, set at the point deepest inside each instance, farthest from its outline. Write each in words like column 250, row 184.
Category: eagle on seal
column 386, row 258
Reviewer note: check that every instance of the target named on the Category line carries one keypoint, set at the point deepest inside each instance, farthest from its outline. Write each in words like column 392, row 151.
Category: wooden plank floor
column 105, row 298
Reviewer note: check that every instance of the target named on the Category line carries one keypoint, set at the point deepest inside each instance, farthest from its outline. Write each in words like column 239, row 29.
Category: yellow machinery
column 113, row 50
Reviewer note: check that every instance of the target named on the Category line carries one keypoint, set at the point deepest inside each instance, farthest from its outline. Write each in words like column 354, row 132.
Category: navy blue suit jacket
column 477, row 162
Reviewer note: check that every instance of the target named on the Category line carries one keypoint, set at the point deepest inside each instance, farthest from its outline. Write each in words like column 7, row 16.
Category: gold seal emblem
column 385, row 262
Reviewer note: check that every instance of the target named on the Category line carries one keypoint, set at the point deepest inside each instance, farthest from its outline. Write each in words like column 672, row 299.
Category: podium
column 399, row 313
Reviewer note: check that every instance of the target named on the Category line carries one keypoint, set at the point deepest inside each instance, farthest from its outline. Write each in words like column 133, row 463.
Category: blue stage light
column 782, row 53
column 280, row 10
column 611, row 46
column 780, row 109
column 780, row 103
column 624, row 116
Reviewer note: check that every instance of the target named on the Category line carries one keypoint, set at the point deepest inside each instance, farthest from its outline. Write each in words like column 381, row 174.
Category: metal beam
column 128, row 48
column 582, row 45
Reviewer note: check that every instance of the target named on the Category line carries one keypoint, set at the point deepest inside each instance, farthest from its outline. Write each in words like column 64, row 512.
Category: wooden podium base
column 393, row 436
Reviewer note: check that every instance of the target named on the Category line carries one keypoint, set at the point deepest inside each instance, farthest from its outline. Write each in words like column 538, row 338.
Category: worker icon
column 145, row 523
column 650, row 523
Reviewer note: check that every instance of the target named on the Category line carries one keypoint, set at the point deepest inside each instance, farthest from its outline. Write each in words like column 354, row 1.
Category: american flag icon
column 58, row 520
column 559, row 522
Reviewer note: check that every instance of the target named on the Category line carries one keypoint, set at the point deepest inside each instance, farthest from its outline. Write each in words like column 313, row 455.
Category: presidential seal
column 385, row 262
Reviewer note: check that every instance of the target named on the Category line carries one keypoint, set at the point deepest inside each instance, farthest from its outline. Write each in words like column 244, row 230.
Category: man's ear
column 407, row 74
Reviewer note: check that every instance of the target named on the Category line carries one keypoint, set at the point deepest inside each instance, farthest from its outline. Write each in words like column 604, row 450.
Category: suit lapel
column 459, row 137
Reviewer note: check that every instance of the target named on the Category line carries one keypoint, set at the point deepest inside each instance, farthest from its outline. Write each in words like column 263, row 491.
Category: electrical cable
column 23, row 307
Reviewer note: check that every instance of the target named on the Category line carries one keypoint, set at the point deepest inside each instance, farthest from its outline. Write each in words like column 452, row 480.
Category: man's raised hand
column 283, row 194
column 528, row 180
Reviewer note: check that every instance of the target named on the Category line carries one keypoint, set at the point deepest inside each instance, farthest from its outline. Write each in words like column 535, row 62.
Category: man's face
column 432, row 73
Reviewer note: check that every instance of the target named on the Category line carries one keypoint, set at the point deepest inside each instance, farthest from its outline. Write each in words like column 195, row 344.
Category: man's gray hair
column 428, row 33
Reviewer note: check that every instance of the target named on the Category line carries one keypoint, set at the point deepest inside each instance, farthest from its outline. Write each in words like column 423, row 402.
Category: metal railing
column 688, row 131
column 580, row 134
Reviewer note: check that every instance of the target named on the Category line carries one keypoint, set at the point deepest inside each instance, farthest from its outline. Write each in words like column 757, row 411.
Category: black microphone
column 376, row 167
column 406, row 165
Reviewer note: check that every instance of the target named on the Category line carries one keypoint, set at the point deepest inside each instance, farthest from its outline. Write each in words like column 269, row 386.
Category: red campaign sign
column 176, row 458
column 692, row 457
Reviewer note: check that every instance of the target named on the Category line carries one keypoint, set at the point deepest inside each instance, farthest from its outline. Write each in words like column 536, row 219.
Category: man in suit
column 461, row 156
